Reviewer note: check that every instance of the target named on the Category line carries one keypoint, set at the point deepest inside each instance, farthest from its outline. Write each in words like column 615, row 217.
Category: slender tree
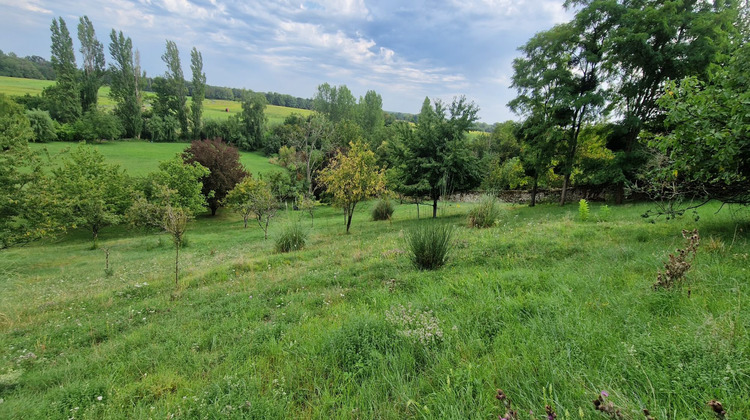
column 124, row 87
column 253, row 120
column 64, row 96
column 178, row 89
column 353, row 177
column 199, row 91
column 93, row 63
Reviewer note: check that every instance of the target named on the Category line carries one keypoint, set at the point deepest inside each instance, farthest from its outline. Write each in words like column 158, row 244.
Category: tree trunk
column 564, row 193
column 176, row 264
column 349, row 217
column 417, row 210
column 265, row 228
column 95, row 232
column 533, row 191
column 434, row 208
column 619, row 193
column 213, row 210
column 244, row 218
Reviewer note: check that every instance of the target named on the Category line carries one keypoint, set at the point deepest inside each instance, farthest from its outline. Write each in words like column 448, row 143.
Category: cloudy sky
column 403, row 49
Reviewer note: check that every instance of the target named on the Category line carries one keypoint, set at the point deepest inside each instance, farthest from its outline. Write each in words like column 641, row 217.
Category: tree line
column 31, row 67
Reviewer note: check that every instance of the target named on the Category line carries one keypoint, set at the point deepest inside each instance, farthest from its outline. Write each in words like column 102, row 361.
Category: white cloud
column 28, row 5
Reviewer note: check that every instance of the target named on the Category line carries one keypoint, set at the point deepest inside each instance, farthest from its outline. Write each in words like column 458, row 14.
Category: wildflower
column 605, row 394
column 99, row 398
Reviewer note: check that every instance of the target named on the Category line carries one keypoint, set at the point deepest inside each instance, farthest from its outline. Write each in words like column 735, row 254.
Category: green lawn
column 550, row 309
column 213, row 108
column 140, row 157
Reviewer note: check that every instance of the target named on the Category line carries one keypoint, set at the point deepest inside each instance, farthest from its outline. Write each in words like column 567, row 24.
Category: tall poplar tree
column 124, row 87
column 176, row 81
column 63, row 97
column 93, row 64
column 199, row 91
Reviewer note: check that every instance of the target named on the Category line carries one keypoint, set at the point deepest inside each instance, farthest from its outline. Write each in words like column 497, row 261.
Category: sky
column 405, row 50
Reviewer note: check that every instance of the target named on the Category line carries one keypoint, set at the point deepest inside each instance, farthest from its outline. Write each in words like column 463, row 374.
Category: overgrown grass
column 538, row 302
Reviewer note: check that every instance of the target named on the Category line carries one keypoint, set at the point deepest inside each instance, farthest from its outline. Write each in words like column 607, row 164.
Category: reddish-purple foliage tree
column 223, row 161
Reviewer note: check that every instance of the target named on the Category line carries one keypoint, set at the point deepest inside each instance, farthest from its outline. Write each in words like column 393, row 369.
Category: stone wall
column 542, row 196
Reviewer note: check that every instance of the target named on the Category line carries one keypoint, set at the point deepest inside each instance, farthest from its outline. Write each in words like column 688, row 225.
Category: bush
column 583, row 210
column 383, row 210
column 429, row 245
column 42, row 124
column 485, row 214
column 292, row 238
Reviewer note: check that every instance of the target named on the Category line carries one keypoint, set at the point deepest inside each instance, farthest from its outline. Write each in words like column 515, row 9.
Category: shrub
column 485, row 214
column 679, row 263
column 292, row 238
column 429, row 245
column 383, row 210
column 583, row 210
column 42, row 124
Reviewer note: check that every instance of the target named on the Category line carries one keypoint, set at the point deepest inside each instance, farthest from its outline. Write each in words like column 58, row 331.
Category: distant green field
column 14, row 86
column 140, row 157
column 216, row 109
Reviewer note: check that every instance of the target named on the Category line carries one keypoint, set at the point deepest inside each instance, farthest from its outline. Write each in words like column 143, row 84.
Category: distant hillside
column 213, row 108
column 32, row 67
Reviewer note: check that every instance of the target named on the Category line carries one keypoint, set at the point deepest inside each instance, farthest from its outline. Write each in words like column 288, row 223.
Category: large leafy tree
column 558, row 81
column 352, row 177
column 93, row 63
column 176, row 100
column 223, row 162
column 432, row 159
column 199, row 91
column 26, row 205
column 647, row 43
column 125, row 89
column 63, row 98
column 707, row 151
column 93, row 194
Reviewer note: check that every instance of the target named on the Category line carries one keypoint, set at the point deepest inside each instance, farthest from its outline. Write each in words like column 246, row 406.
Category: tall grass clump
column 583, row 210
column 292, row 238
column 605, row 213
column 429, row 245
column 383, row 210
column 486, row 213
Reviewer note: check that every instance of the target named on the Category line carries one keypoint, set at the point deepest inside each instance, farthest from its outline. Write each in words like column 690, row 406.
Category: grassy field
column 140, row 158
column 551, row 309
column 213, row 108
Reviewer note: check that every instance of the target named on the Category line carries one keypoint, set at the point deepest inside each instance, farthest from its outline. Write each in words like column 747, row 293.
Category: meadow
column 212, row 108
column 139, row 158
column 549, row 308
